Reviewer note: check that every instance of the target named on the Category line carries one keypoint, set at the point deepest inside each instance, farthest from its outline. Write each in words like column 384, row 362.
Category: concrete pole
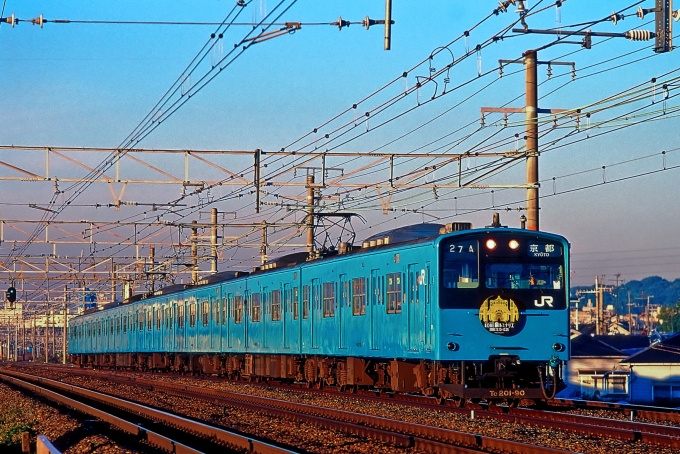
column 310, row 216
column 34, row 352
column 388, row 24
column 213, row 240
column 531, row 112
column 152, row 259
column 194, row 253
column 63, row 333
column 47, row 334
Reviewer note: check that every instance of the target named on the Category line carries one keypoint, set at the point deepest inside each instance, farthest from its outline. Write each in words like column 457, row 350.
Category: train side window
column 216, row 310
column 460, row 265
column 359, row 296
column 305, row 301
column 168, row 317
column 205, row 312
column 111, row 326
column 180, row 315
column 394, row 293
column 125, row 322
column 238, row 309
column 329, row 299
column 149, row 319
column 256, row 303
column 226, row 302
column 159, row 318
column 296, row 310
column 276, row 304
column 192, row 315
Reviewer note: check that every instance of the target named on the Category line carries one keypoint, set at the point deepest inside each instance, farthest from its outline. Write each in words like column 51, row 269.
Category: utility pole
column 309, row 221
column 648, row 326
column 194, row 253
column 531, row 111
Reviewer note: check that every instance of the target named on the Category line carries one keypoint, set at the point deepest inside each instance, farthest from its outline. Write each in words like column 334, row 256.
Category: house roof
column 589, row 346
column 624, row 342
column 667, row 351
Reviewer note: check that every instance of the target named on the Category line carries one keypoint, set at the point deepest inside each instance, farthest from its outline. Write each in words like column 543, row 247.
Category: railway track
column 135, row 419
column 402, row 435
column 662, row 435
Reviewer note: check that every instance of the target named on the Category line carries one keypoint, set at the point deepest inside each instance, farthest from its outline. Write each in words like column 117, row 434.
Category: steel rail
column 202, row 430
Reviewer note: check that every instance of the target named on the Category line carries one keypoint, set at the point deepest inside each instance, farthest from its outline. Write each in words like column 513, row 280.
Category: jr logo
column 545, row 300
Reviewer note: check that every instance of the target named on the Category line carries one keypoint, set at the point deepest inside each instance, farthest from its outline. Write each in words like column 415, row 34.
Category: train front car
column 504, row 314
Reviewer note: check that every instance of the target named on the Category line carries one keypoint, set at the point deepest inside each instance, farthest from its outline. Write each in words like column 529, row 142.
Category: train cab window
column 394, row 293
column 359, row 296
column 192, row 315
column 238, row 309
column 205, row 312
column 460, row 264
column 256, row 303
column 180, row 315
column 276, row 305
column 329, row 299
column 524, row 276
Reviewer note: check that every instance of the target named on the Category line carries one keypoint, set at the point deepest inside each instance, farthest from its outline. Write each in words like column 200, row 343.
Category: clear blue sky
column 89, row 85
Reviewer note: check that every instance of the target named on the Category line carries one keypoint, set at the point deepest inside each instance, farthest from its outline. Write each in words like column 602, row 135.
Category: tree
column 669, row 318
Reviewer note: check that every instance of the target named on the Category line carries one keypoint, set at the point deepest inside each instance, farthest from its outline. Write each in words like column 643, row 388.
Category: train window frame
column 329, row 299
column 296, row 302
column 192, row 314
column 159, row 318
column 180, row 315
column 215, row 303
column 141, row 319
column 226, row 303
column 238, row 309
column 276, row 305
column 205, row 312
column 394, row 282
column 125, row 322
column 359, row 296
column 256, row 307
column 306, row 294
column 168, row 317
column 149, row 319
column 111, row 327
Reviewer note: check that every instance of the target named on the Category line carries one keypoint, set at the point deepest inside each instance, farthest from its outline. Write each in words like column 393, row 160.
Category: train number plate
column 506, row 393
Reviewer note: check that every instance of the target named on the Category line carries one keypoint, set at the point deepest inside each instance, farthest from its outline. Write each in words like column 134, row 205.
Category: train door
column 246, row 318
column 315, row 312
column 415, row 307
column 344, row 311
column 287, row 313
column 228, row 318
column 265, row 314
column 429, row 320
column 375, row 311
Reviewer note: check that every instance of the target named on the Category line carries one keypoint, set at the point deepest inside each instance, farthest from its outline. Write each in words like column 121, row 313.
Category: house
column 595, row 370
column 655, row 373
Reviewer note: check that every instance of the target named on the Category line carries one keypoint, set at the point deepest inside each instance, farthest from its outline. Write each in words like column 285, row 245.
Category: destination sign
column 540, row 249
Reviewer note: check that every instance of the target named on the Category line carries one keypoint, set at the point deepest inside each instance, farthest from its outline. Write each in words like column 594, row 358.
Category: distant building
column 655, row 373
column 595, row 370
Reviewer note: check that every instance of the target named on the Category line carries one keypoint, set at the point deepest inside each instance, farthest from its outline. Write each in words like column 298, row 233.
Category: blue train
column 442, row 310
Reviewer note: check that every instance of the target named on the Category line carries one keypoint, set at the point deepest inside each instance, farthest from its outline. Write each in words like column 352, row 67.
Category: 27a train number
column 545, row 301
column 507, row 393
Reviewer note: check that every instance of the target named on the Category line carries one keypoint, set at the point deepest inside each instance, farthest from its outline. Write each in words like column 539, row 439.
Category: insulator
column 639, row 35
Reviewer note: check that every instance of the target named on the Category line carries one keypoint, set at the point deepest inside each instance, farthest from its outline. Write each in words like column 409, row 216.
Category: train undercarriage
column 501, row 378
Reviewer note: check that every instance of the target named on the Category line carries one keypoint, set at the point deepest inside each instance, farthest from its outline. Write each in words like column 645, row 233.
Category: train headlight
column 558, row 347
column 490, row 244
column 514, row 245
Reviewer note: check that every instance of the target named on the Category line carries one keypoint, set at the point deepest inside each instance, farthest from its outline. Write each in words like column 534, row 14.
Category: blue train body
column 478, row 313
